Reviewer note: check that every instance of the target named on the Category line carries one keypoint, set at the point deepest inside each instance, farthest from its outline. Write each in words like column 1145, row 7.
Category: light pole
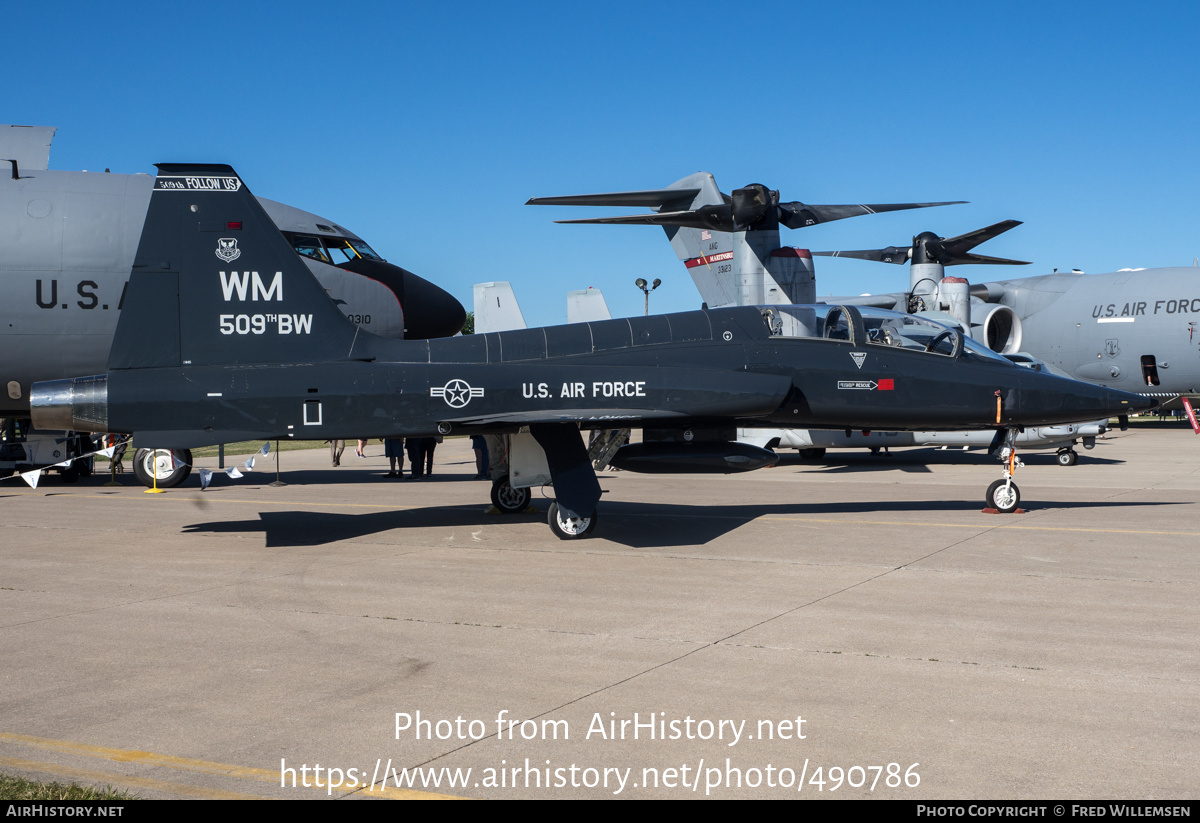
column 641, row 284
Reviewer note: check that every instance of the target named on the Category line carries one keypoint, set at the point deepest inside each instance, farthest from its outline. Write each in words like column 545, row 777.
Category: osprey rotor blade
column 797, row 215
column 891, row 254
column 927, row 247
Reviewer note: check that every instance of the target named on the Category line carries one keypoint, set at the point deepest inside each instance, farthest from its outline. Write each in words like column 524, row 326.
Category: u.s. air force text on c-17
column 86, row 289
column 1180, row 306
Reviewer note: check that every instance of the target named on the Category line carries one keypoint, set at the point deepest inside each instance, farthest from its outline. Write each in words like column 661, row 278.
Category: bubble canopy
column 874, row 327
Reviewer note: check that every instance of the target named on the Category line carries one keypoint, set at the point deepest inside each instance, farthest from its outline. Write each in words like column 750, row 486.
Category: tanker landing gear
column 169, row 468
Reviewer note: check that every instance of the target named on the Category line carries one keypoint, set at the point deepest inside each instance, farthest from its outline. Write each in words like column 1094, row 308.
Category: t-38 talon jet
column 211, row 350
column 67, row 246
column 740, row 261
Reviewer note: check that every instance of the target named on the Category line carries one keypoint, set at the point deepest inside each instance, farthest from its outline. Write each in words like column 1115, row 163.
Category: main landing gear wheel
column 1068, row 457
column 567, row 525
column 509, row 500
column 1003, row 496
column 149, row 464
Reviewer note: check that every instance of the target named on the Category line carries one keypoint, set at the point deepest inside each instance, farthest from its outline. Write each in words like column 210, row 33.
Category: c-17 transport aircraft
column 67, row 246
column 197, row 360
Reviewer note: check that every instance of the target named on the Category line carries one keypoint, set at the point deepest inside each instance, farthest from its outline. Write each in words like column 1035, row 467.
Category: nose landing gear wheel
column 1003, row 497
column 509, row 500
column 1068, row 457
column 148, row 463
column 567, row 525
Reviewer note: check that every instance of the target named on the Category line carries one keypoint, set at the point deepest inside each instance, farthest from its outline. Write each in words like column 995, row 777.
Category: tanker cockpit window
column 308, row 245
column 363, row 250
column 334, row 250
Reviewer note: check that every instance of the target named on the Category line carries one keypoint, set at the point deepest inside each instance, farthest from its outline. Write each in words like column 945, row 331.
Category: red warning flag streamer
column 1191, row 413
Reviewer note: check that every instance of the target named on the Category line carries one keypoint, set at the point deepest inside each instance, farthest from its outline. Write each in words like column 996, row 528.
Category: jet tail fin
column 26, row 147
column 587, row 306
column 496, row 308
column 215, row 283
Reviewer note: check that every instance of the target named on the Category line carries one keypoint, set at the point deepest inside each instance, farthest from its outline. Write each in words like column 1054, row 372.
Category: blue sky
column 425, row 127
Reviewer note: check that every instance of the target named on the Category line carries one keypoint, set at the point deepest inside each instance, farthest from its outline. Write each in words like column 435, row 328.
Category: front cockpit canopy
column 871, row 326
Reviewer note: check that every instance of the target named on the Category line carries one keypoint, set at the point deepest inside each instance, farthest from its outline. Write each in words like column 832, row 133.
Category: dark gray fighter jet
column 1134, row 329
column 212, row 349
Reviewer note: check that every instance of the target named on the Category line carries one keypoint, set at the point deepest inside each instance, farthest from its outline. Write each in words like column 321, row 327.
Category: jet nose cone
column 1054, row 400
column 429, row 311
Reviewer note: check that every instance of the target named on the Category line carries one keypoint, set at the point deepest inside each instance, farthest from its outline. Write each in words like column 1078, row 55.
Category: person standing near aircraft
column 481, row 456
column 416, row 456
column 428, row 444
column 336, row 447
column 393, row 447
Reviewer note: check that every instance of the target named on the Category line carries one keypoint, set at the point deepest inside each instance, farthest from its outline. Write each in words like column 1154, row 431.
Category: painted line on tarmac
column 120, row 781
column 308, row 504
column 186, row 764
column 997, row 527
